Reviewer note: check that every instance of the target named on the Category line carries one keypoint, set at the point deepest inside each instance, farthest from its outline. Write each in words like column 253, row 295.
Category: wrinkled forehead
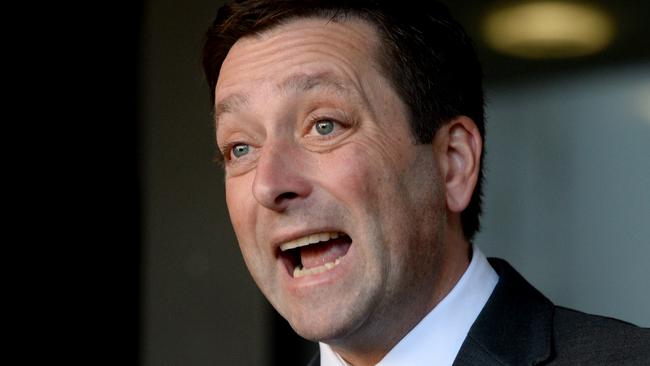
column 350, row 43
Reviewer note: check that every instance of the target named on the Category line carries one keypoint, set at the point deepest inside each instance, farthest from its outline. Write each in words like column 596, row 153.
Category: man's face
column 317, row 142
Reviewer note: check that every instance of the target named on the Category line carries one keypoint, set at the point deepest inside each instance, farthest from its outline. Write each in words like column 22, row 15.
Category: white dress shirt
column 437, row 338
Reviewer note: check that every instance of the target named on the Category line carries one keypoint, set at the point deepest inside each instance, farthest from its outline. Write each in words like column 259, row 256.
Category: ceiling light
column 548, row 29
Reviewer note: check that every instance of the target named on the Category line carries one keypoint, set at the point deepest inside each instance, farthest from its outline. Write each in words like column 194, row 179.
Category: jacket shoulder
column 581, row 338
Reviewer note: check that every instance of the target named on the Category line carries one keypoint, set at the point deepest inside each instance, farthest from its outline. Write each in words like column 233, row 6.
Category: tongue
column 316, row 255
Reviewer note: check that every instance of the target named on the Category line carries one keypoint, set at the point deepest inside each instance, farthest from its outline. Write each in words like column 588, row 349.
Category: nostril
column 285, row 196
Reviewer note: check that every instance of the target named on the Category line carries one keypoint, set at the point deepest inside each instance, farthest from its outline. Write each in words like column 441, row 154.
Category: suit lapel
column 315, row 361
column 514, row 327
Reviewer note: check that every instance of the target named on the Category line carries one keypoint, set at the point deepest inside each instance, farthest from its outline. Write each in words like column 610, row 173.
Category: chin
column 322, row 332
column 333, row 325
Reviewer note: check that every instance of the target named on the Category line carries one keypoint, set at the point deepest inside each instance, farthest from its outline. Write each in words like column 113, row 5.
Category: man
column 352, row 138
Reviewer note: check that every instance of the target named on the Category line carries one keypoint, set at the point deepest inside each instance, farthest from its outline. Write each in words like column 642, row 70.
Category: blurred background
column 568, row 175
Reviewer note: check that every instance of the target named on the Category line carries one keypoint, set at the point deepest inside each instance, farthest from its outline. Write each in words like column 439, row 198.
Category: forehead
column 343, row 49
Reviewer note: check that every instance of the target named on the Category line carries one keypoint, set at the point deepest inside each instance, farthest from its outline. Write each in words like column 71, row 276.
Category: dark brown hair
column 426, row 54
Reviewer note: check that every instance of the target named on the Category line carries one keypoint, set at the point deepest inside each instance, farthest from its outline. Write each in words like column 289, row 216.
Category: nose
column 280, row 179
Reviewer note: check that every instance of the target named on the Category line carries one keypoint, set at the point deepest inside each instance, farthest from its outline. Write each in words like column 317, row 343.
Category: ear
column 458, row 145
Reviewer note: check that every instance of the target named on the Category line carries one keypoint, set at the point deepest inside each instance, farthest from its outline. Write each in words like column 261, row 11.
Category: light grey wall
column 200, row 306
column 568, row 187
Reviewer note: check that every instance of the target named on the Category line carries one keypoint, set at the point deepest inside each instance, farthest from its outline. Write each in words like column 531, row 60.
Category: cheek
column 349, row 174
column 396, row 189
column 240, row 207
column 367, row 185
column 242, row 211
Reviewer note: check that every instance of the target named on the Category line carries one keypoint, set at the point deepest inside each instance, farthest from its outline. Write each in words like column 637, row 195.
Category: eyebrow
column 297, row 83
column 304, row 82
column 230, row 104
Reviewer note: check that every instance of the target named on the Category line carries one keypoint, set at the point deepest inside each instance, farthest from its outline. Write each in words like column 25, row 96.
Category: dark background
column 78, row 189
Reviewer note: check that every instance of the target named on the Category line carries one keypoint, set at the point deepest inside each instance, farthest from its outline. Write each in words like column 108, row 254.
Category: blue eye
column 240, row 150
column 324, row 127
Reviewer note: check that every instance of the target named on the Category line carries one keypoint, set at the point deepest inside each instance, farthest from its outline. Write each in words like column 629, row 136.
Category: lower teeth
column 300, row 272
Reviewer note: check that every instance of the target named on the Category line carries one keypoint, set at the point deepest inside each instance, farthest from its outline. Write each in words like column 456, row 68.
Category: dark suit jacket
column 519, row 326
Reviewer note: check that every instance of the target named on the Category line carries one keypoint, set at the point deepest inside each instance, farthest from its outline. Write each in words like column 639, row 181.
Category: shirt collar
column 438, row 337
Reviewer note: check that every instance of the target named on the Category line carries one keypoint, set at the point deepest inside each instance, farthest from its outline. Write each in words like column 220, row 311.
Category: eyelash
column 313, row 120
column 226, row 149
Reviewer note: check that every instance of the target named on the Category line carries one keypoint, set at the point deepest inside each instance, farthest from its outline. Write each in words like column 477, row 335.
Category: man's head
column 425, row 54
column 352, row 118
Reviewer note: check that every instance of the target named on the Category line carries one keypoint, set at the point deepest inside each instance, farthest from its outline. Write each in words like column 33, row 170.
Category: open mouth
column 315, row 253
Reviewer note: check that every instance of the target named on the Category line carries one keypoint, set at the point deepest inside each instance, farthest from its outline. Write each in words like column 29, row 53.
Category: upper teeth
column 309, row 239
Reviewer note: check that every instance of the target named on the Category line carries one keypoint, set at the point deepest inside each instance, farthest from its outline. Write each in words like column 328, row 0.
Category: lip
column 285, row 263
column 285, row 238
column 302, row 286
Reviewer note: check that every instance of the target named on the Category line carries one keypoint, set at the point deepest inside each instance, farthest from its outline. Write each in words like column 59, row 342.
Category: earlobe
column 459, row 148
